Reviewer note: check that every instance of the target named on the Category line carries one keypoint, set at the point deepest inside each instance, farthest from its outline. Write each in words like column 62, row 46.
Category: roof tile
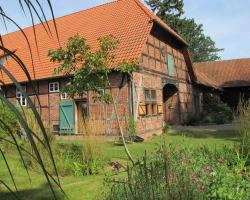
column 227, row 73
column 128, row 20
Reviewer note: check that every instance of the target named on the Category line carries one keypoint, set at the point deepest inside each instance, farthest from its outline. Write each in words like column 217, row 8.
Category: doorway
column 82, row 116
column 171, row 104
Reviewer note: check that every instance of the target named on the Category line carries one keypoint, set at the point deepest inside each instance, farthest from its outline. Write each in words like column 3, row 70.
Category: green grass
column 92, row 187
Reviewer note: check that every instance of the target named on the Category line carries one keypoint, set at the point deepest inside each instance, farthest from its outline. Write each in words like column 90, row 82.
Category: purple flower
column 195, row 179
column 202, row 187
column 199, row 173
column 115, row 165
column 208, row 168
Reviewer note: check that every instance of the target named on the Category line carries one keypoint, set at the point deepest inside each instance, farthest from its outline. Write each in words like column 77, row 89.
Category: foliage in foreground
column 8, row 136
column 74, row 159
column 176, row 173
column 80, row 159
column 244, row 131
column 7, row 119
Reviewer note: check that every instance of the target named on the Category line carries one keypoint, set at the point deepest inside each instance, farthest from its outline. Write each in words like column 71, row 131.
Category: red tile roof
column 228, row 73
column 128, row 20
column 202, row 79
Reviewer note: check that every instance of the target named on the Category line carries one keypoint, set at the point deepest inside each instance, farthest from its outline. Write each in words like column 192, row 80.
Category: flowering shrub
column 190, row 173
column 219, row 175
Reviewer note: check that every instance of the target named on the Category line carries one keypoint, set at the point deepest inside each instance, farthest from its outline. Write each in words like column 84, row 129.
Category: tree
column 167, row 9
column 202, row 47
column 89, row 70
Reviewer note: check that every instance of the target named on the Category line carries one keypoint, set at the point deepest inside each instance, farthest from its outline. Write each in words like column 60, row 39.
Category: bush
column 214, row 112
column 219, row 112
column 193, row 120
column 8, row 127
column 166, row 127
column 78, row 159
column 8, row 118
column 208, row 119
column 183, row 174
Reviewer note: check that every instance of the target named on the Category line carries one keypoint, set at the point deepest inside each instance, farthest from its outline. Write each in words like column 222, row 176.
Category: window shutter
column 142, row 109
column 170, row 65
column 160, row 109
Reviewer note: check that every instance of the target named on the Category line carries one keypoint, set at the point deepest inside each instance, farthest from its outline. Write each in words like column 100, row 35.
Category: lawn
column 92, row 187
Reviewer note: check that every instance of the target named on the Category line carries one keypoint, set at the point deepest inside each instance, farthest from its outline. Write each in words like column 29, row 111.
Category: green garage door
column 67, row 119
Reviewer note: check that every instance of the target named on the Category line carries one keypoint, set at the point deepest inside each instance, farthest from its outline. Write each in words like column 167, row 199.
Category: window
column 64, row 95
column 170, row 59
column 151, row 103
column 54, row 87
column 20, row 97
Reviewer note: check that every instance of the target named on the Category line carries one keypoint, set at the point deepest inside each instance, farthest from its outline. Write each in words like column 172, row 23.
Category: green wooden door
column 67, row 119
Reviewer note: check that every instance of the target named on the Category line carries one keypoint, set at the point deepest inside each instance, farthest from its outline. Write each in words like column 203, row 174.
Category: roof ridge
column 143, row 9
column 153, row 17
column 234, row 59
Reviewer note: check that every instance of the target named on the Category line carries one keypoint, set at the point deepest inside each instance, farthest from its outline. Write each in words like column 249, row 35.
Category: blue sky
column 226, row 21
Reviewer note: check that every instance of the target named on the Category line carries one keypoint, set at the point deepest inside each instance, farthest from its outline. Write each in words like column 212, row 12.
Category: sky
column 227, row 22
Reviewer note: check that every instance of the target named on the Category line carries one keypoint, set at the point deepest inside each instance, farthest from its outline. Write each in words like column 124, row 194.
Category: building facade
column 160, row 91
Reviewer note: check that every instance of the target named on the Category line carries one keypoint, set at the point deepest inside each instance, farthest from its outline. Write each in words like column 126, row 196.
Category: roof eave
column 174, row 35
column 210, row 86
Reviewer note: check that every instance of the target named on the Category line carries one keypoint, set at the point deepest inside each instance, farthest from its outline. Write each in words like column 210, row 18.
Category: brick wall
column 153, row 69
column 101, row 119
column 104, row 114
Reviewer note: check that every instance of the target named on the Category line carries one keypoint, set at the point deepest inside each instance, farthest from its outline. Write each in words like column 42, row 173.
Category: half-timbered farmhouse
column 160, row 90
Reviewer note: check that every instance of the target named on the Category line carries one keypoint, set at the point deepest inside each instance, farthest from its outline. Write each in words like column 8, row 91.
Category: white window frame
column 21, row 100
column 64, row 96
column 53, row 84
